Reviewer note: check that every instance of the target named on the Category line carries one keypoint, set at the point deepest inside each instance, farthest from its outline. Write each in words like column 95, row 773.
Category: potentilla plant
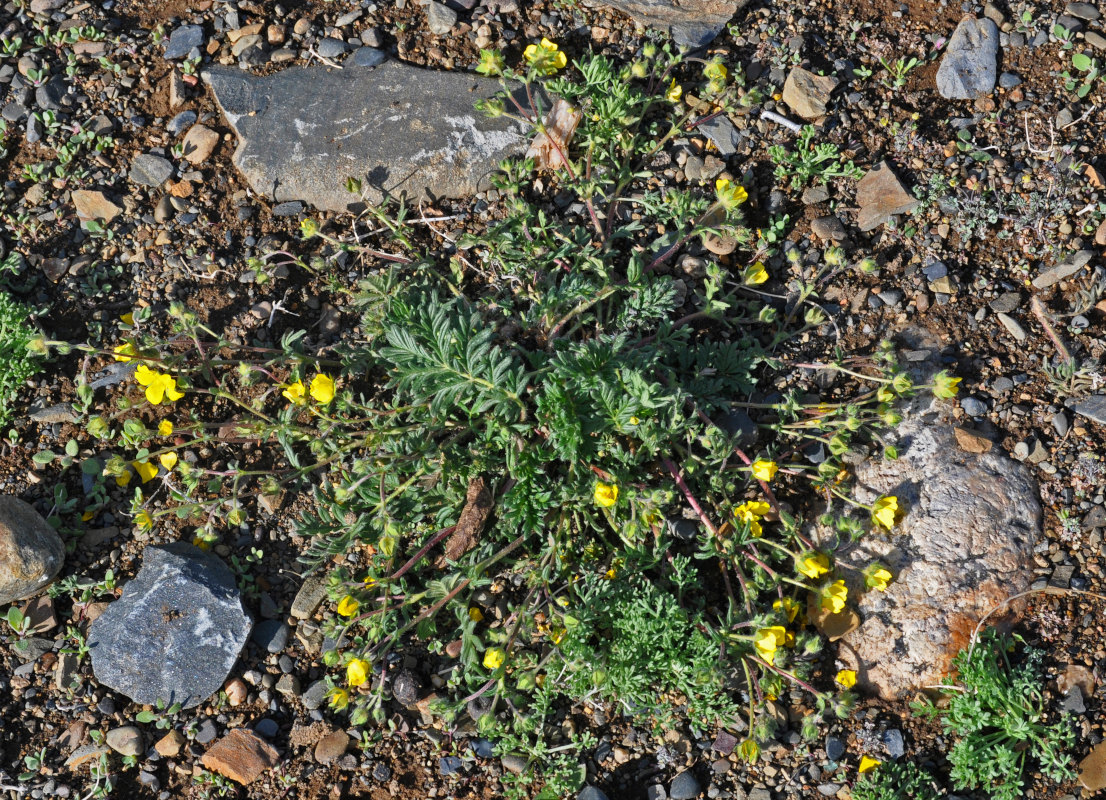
column 527, row 459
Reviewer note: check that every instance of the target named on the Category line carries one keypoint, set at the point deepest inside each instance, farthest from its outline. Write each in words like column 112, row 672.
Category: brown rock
column 31, row 552
column 1076, row 675
column 40, row 614
column 880, row 195
column 692, row 23
column 199, row 143
column 248, row 30
column 972, row 441
column 1092, row 769
column 170, row 744
column 236, row 691
column 833, row 626
column 963, row 547
column 178, row 92
column 807, row 93
column 1100, row 233
column 92, row 204
column 332, row 747
column 241, row 755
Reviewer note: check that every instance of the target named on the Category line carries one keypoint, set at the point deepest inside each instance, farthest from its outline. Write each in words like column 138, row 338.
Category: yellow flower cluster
column 321, row 390
column 770, row 639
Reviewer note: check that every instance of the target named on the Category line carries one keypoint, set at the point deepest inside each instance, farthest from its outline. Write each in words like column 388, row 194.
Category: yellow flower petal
column 868, row 764
column 124, row 479
column 833, row 597
column 165, row 428
column 322, row 388
column 606, row 494
column 475, row 614
column 847, row 678
column 348, row 606
column 813, row 565
column 146, row 471
column 764, row 470
column 296, row 393
column 357, row 672
column 494, row 657
column 884, row 511
column 168, row 460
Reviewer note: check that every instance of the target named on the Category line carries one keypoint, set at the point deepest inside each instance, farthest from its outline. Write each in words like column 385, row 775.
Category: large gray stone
column 31, row 553
column 395, row 127
column 175, row 633
column 969, row 67
column 183, row 41
column 963, row 547
column 692, row 23
column 807, row 93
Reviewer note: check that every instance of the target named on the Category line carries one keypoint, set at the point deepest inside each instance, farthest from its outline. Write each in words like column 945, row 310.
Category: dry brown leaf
column 560, row 125
column 474, row 516
column 833, row 626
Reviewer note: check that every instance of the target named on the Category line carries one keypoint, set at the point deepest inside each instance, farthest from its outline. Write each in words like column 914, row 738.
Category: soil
column 202, row 263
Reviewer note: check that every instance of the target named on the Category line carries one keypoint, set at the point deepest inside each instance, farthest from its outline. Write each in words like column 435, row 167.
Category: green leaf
column 1081, row 62
column 43, row 457
column 145, row 716
column 72, row 448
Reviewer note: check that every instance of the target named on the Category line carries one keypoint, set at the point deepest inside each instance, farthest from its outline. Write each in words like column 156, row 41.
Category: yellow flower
column 729, row 196
column 813, row 565
column 168, row 460
column 750, row 513
column 295, row 392
column 847, row 678
column 143, row 520
column 494, row 657
column 475, row 614
column 127, row 319
column 146, row 471
column 674, row 93
column 544, row 58
column 868, row 764
column 125, row 352
column 339, row 699
column 348, row 606
column 606, row 494
column 159, row 385
column 877, row 577
column 884, row 395
column 833, row 596
column 884, row 511
column 165, row 428
column 769, row 639
column 755, row 274
column 357, row 672
column 322, row 388
column 715, row 70
column 789, row 607
column 201, row 542
column 764, row 470
column 123, row 479
column 944, row 385
column 635, row 421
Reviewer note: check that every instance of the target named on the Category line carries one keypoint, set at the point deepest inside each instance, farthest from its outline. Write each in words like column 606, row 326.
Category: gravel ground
column 975, row 265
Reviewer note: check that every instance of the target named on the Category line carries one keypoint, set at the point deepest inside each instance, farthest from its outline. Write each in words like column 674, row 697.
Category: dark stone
column 397, row 128
column 267, row 728
column 175, row 633
column 368, row 57
column 331, row 48
column 684, row 787
column 183, row 40
column 892, row 742
column 738, row 423
column 1093, row 408
column 181, row 122
column 723, row 133
column 450, row 764
column 270, row 635
column 835, row 748
column 406, row 687
column 969, row 67
column 150, row 170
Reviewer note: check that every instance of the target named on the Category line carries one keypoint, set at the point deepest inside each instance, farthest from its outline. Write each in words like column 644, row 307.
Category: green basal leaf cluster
column 17, row 363
column 996, row 708
column 896, row 780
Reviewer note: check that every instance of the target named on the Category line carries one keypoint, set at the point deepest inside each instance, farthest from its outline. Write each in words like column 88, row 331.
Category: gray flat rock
column 1066, row 269
column 1093, row 408
column 969, row 67
column 150, row 170
column 397, row 128
column 183, row 40
column 31, row 552
column 964, row 546
column 175, row 633
column 692, row 23
column 880, row 195
column 723, row 133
